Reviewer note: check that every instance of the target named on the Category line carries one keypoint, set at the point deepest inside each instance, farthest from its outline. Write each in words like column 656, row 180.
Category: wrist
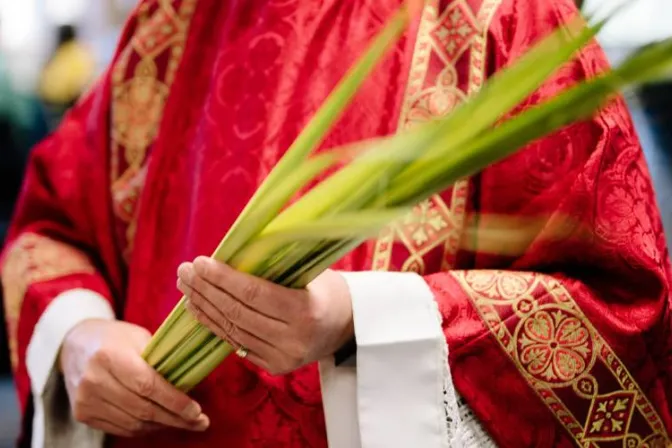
column 342, row 291
column 334, row 312
column 82, row 331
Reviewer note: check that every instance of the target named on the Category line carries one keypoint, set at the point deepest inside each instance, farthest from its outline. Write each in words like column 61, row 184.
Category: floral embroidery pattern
column 435, row 89
column 554, row 346
column 561, row 354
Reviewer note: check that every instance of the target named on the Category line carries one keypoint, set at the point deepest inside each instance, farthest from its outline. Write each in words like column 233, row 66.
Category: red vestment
column 565, row 343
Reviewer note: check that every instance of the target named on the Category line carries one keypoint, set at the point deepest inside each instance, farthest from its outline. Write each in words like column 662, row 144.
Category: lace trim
column 450, row 408
column 471, row 432
column 463, row 429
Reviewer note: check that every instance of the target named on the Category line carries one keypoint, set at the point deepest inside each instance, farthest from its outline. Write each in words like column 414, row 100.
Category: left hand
column 281, row 328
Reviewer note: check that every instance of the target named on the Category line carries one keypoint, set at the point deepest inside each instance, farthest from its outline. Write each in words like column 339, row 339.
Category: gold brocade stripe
column 32, row 259
column 564, row 359
column 446, row 36
column 141, row 81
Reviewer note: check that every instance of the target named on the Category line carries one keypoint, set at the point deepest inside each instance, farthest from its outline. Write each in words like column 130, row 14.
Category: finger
column 266, row 297
column 229, row 314
column 237, row 338
column 110, row 428
column 258, row 361
column 142, row 409
column 137, row 376
column 122, row 419
column 259, row 352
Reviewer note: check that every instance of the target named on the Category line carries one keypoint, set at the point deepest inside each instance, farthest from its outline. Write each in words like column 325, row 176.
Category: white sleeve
column 52, row 426
column 400, row 393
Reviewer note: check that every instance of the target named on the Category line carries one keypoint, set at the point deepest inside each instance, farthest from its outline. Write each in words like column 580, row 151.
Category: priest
column 435, row 334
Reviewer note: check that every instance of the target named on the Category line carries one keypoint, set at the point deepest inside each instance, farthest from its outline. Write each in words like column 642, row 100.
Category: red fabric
column 57, row 204
column 597, row 272
column 250, row 76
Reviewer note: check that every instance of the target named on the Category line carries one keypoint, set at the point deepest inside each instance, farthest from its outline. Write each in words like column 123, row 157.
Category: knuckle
column 182, row 286
column 202, row 269
column 89, row 380
column 188, row 291
column 199, row 283
column 207, row 273
column 146, row 412
column 194, row 309
column 228, row 328
column 215, row 272
column 102, row 357
column 79, row 412
column 234, row 311
column 137, row 426
column 251, row 291
column 196, row 298
column 218, row 331
column 144, row 384
column 230, row 331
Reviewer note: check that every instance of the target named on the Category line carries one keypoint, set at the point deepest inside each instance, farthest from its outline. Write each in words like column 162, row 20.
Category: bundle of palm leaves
column 380, row 180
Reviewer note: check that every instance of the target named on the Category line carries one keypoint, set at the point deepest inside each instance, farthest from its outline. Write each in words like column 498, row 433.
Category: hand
column 282, row 329
column 111, row 388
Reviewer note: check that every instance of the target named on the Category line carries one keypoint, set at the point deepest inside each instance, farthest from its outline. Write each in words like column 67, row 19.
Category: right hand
column 111, row 388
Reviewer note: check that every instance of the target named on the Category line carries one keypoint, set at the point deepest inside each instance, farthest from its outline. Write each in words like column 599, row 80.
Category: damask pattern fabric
column 562, row 341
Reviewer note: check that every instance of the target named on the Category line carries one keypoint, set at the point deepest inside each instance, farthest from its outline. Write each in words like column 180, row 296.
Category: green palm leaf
column 383, row 177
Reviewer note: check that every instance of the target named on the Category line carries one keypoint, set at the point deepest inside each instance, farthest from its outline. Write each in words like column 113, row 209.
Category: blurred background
column 50, row 51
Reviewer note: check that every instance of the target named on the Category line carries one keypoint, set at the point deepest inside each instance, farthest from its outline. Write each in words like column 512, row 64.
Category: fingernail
column 192, row 412
column 203, row 422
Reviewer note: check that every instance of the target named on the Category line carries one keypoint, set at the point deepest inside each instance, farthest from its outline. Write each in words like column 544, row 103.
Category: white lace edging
column 463, row 430
column 450, row 408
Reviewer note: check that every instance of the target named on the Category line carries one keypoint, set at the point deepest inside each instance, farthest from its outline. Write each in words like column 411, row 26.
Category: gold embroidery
column 477, row 73
column 559, row 352
column 552, row 343
column 137, row 111
column 139, row 98
column 32, row 259
column 453, row 33
column 447, row 37
column 429, row 224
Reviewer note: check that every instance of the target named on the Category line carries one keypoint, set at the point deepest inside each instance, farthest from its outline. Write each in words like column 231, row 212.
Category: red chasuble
column 562, row 341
